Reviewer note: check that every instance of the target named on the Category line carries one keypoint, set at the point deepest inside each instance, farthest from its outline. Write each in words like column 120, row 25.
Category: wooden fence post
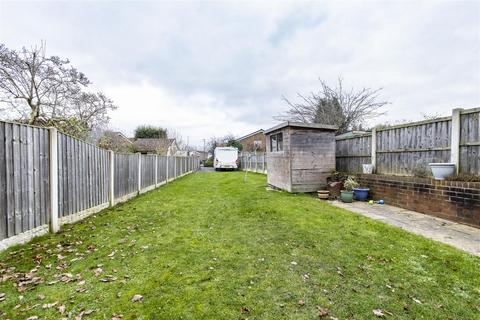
column 374, row 150
column 112, row 178
column 156, row 170
column 455, row 139
column 139, row 172
column 54, row 221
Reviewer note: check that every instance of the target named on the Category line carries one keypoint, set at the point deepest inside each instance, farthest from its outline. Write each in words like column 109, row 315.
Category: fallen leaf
column 49, row 305
column 244, row 310
column 98, row 271
column 61, row 309
column 322, row 312
column 417, row 301
column 301, row 302
column 379, row 313
column 137, row 298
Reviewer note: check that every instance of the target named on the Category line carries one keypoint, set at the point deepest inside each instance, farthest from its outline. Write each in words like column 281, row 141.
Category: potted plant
column 346, row 195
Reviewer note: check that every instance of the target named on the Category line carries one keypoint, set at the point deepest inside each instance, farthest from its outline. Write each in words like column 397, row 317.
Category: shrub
column 150, row 132
column 350, row 183
column 208, row 162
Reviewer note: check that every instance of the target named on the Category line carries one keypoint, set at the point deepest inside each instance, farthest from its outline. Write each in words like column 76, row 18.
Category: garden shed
column 300, row 156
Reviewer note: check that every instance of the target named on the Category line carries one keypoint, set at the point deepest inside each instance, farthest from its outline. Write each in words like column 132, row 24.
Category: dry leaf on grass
column 137, row 298
column 244, row 310
column 322, row 312
column 49, row 305
column 379, row 313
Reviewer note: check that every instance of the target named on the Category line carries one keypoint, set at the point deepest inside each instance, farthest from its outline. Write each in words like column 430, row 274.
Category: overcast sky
column 211, row 68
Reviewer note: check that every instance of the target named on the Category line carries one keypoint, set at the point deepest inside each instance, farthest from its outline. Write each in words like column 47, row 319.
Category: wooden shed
column 300, row 156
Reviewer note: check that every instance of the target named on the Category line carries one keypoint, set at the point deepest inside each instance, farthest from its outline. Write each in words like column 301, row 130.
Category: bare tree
column 347, row 109
column 42, row 90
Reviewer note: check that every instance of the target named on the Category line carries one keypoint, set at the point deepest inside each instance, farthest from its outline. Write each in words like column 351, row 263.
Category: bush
column 150, row 132
column 208, row 162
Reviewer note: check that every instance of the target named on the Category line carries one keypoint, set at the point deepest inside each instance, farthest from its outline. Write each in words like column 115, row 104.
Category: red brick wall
column 248, row 143
column 453, row 200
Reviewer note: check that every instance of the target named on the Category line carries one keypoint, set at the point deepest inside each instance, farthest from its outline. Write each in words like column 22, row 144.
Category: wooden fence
column 404, row 149
column 40, row 167
column 253, row 161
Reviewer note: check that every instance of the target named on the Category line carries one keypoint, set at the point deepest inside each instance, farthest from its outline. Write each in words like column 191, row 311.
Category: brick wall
column 453, row 200
column 248, row 143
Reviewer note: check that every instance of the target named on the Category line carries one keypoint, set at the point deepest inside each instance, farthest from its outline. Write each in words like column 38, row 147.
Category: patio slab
column 461, row 236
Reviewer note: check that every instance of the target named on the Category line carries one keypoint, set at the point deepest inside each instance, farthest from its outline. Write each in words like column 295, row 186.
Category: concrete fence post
column 156, row 170
column 166, row 171
column 54, row 223
column 264, row 162
column 374, row 149
column 111, row 190
column 174, row 167
column 139, row 172
column 455, row 139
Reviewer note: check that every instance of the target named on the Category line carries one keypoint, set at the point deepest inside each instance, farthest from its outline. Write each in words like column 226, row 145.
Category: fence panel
column 470, row 142
column 162, row 169
column 405, row 149
column 126, row 174
column 253, row 161
column 24, row 178
column 83, row 178
column 352, row 152
column 148, row 170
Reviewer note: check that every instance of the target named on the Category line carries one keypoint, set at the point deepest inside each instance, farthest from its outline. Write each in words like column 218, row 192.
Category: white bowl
column 442, row 170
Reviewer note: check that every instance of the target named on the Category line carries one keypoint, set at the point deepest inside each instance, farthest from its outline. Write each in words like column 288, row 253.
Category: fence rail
column 404, row 149
column 40, row 167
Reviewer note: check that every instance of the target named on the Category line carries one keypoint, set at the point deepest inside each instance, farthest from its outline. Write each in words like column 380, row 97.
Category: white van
column 225, row 158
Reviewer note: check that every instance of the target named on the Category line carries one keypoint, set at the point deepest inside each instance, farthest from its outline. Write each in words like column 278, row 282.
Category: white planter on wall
column 442, row 170
column 367, row 168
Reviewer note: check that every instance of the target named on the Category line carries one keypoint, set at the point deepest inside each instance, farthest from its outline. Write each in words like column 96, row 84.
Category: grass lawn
column 210, row 246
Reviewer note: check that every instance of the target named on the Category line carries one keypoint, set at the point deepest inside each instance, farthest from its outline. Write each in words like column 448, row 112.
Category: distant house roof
column 250, row 134
column 302, row 125
column 117, row 135
column 153, row 145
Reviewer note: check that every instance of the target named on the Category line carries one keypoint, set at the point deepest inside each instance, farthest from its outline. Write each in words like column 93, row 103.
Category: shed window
column 276, row 142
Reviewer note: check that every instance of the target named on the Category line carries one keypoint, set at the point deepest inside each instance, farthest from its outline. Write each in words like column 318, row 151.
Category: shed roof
column 305, row 125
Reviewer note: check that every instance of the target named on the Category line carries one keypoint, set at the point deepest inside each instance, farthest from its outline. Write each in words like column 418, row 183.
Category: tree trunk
column 34, row 114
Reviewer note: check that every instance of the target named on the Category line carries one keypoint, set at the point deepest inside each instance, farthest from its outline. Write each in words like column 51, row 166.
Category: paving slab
column 461, row 236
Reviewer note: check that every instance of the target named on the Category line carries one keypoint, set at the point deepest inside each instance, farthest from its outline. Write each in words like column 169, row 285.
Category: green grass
column 210, row 246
